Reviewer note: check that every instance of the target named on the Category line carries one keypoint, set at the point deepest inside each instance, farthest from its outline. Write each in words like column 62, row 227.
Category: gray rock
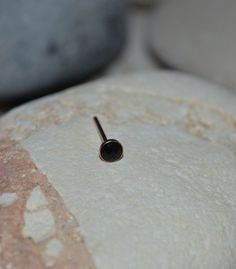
column 47, row 45
column 135, row 57
column 144, row 3
column 197, row 37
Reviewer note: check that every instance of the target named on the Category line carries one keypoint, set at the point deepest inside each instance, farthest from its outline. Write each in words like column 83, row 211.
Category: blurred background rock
column 50, row 45
column 198, row 37
column 135, row 55
column 47, row 46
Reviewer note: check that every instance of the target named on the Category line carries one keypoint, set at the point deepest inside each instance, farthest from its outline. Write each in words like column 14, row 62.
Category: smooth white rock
column 198, row 37
column 170, row 202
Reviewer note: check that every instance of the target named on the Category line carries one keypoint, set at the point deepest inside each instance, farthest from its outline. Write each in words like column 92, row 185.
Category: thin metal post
column 100, row 130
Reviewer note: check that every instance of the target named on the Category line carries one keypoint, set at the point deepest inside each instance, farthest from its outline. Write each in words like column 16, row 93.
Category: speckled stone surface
column 36, row 229
column 197, row 37
column 47, row 45
column 169, row 203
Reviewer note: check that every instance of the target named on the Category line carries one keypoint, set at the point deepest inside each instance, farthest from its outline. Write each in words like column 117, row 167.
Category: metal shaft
column 99, row 127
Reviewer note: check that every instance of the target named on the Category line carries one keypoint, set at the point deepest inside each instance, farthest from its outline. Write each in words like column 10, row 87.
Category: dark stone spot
column 52, row 49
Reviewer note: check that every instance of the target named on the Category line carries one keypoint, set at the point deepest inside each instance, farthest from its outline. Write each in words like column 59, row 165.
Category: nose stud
column 111, row 150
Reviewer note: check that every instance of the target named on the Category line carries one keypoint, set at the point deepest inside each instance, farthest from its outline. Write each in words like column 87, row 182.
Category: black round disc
column 111, row 151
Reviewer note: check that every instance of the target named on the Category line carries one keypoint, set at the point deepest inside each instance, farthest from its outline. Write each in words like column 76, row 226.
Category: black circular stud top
column 111, row 150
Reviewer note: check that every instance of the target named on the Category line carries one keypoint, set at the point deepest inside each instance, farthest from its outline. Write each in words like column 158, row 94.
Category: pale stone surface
column 170, row 202
column 54, row 248
column 39, row 225
column 36, row 199
column 198, row 37
column 7, row 199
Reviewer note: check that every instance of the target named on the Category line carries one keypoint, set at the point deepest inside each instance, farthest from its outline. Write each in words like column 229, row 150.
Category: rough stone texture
column 135, row 56
column 169, row 203
column 198, row 37
column 22, row 244
column 46, row 45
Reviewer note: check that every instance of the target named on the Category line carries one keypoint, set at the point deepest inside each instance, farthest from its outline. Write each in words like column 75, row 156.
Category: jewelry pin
column 111, row 150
